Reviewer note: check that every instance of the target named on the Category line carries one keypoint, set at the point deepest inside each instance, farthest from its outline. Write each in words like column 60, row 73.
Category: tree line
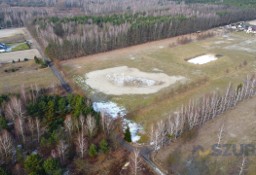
column 197, row 112
column 70, row 37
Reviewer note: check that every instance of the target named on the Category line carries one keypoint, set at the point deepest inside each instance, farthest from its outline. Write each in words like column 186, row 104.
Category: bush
column 25, row 59
column 188, row 135
column 52, row 167
column 3, row 171
column 104, row 146
column 92, row 150
column 184, row 40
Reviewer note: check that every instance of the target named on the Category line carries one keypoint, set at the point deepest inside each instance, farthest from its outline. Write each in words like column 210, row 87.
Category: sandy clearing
column 203, row 59
column 252, row 22
column 123, row 80
column 11, row 32
column 10, row 56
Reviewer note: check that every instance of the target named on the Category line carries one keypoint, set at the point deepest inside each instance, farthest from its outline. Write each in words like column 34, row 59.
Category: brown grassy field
column 27, row 73
column 238, row 128
column 237, row 59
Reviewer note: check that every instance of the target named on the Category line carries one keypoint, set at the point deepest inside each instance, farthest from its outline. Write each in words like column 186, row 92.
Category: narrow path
column 56, row 72
column 144, row 154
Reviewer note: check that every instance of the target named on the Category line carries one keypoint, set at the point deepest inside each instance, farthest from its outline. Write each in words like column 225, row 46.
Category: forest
column 68, row 29
column 71, row 37
column 45, row 133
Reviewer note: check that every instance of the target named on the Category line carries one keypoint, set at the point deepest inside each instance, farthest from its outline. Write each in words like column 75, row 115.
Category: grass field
column 237, row 58
column 18, row 46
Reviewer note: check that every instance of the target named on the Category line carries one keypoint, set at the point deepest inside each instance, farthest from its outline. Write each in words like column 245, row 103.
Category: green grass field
column 18, row 46
column 237, row 59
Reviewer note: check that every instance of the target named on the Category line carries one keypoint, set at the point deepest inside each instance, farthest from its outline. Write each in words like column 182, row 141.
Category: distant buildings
column 242, row 26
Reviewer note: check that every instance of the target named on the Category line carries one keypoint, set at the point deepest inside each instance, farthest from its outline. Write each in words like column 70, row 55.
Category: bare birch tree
column 81, row 144
column 15, row 111
column 6, row 145
column 68, row 124
column 39, row 129
column 135, row 162
column 220, row 136
column 91, row 125
column 242, row 167
column 62, row 149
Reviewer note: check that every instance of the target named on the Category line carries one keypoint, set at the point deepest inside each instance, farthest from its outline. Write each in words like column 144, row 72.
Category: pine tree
column 127, row 134
column 92, row 150
column 104, row 146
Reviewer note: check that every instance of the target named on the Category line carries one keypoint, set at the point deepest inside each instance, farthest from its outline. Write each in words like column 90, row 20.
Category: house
column 3, row 48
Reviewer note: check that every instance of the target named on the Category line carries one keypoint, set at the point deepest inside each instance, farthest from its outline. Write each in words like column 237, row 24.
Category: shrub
column 92, row 150
column 104, row 146
column 52, row 166
column 3, row 123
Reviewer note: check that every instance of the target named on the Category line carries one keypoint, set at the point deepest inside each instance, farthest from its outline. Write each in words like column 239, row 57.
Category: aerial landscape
column 127, row 87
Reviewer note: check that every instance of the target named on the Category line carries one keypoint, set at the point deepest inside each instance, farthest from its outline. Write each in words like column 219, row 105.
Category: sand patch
column 247, row 46
column 123, row 80
column 203, row 59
